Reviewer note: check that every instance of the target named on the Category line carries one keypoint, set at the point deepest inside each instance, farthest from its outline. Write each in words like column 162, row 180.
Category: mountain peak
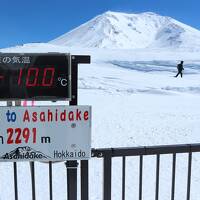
column 150, row 13
column 109, row 12
column 130, row 30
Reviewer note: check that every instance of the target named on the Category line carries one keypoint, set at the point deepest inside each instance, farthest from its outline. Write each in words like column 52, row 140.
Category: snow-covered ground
column 135, row 101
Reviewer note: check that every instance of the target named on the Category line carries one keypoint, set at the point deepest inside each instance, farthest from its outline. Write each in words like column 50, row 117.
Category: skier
column 180, row 69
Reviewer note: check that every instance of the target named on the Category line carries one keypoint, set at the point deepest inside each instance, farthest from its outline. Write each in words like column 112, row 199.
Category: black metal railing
column 107, row 154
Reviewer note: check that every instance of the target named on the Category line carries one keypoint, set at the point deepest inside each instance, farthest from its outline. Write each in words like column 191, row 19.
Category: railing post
column 189, row 174
column 50, row 181
column 157, row 176
column 32, row 167
column 71, row 179
column 84, row 180
column 140, row 176
column 107, row 172
column 123, row 177
column 15, row 180
column 173, row 176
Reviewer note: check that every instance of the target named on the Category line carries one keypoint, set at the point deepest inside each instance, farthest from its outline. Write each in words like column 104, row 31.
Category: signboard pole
column 32, row 166
column 72, row 165
column 9, row 103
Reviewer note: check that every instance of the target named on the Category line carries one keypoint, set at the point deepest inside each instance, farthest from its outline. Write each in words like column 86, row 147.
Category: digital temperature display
column 35, row 76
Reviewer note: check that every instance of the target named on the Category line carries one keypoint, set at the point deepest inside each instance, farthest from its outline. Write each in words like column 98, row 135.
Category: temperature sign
column 35, row 76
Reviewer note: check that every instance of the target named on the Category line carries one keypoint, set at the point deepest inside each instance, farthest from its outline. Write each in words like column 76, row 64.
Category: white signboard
column 44, row 133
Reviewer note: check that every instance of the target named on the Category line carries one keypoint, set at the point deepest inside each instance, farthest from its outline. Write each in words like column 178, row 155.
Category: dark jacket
column 180, row 67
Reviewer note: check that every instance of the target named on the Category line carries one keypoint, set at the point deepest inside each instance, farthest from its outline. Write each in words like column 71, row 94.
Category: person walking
column 180, row 69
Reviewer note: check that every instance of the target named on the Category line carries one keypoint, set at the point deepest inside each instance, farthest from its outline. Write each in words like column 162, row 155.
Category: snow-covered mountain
column 130, row 31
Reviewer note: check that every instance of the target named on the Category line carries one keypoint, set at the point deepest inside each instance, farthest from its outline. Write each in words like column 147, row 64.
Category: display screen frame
column 65, row 96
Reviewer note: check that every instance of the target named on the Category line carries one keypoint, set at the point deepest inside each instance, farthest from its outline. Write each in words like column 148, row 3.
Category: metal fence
column 107, row 155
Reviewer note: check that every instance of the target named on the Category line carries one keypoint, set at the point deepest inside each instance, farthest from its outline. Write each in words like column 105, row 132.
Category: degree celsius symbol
column 63, row 81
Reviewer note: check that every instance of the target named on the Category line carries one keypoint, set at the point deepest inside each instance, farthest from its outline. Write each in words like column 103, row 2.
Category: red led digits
column 34, row 72
column 32, row 76
column 44, row 82
column 20, row 76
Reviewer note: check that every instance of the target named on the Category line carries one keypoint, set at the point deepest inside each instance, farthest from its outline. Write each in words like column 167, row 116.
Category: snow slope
column 116, row 30
column 135, row 101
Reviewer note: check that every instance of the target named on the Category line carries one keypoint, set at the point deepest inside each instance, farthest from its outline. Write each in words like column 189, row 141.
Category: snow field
column 135, row 101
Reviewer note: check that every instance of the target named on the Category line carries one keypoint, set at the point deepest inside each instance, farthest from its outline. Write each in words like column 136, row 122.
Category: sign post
column 72, row 165
column 9, row 103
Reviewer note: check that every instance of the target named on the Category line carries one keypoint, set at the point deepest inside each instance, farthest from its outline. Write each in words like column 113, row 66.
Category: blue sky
column 25, row 21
